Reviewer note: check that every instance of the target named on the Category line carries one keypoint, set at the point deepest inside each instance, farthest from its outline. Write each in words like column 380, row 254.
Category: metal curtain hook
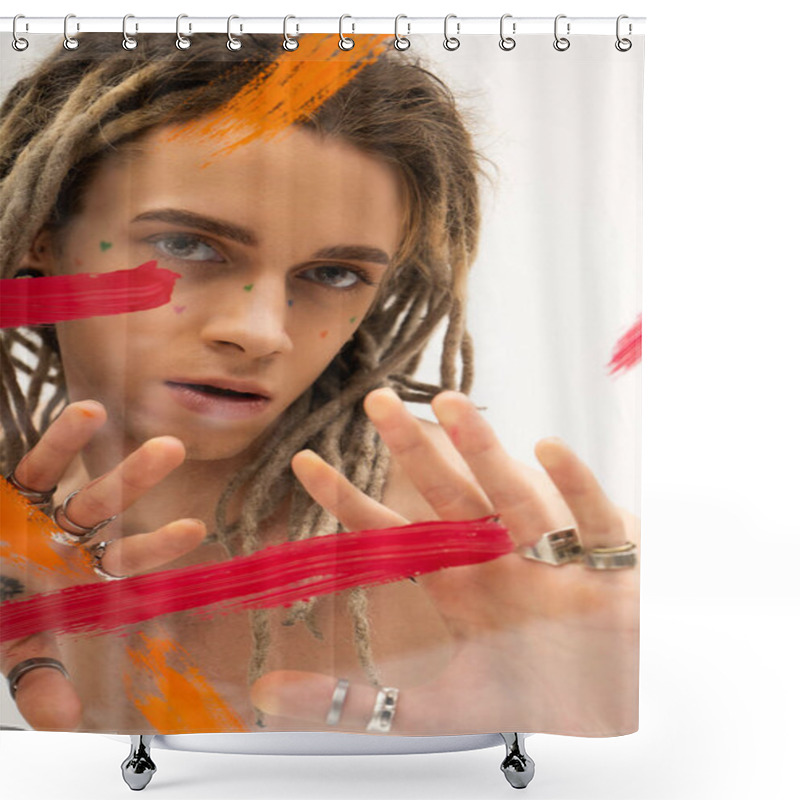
column 289, row 42
column 507, row 42
column 18, row 43
column 623, row 45
column 129, row 42
column 451, row 42
column 181, row 42
column 561, row 43
column 401, row 42
column 233, row 42
column 69, row 42
column 345, row 43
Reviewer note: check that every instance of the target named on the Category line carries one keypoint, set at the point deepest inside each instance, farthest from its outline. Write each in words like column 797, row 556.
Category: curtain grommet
column 233, row 44
column 129, row 42
column 182, row 42
column 345, row 42
column 507, row 43
column 623, row 44
column 70, row 42
column 451, row 43
column 561, row 43
column 289, row 42
column 401, row 42
column 18, row 42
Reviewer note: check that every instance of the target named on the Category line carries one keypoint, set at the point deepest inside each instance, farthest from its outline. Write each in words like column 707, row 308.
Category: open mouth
column 217, row 401
column 229, row 394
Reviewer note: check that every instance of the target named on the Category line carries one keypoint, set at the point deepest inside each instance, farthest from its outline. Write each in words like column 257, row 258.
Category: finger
column 451, row 494
column 523, row 511
column 126, row 483
column 599, row 522
column 145, row 551
column 42, row 467
column 44, row 697
column 337, row 495
column 307, row 696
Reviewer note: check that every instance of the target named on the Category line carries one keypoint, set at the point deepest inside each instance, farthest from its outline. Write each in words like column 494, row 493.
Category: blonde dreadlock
column 59, row 123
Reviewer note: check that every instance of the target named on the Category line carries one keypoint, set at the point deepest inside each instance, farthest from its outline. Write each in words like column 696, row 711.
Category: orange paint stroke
column 184, row 701
column 293, row 86
column 26, row 539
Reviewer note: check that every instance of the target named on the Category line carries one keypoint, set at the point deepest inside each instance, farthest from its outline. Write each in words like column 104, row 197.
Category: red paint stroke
column 276, row 576
column 628, row 350
column 40, row 301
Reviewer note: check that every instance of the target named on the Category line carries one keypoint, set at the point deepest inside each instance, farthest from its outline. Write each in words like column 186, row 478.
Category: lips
column 219, row 397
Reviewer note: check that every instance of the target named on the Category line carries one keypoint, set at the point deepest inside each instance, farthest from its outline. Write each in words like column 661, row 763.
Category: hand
column 45, row 697
column 537, row 647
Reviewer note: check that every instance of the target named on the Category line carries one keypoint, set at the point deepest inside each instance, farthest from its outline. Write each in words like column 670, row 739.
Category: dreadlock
column 58, row 124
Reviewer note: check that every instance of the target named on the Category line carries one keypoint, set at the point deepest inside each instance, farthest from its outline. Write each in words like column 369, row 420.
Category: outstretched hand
column 536, row 646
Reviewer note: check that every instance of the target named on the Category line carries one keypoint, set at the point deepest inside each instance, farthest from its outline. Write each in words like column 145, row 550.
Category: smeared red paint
column 628, row 350
column 39, row 301
column 273, row 577
column 179, row 309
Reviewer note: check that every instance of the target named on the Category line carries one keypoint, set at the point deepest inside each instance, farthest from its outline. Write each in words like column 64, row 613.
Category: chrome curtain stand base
column 517, row 766
column 139, row 768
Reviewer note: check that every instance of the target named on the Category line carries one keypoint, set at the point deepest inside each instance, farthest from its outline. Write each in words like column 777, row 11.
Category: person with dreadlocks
column 265, row 402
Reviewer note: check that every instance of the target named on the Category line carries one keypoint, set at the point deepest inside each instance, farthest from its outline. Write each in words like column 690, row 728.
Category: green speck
column 352, row 320
column 249, row 287
column 105, row 246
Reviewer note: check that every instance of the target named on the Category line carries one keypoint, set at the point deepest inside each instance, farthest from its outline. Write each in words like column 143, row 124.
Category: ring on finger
column 620, row 557
column 80, row 533
column 28, row 665
column 554, row 547
column 384, row 710
column 337, row 702
column 96, row 553
column 33, row 496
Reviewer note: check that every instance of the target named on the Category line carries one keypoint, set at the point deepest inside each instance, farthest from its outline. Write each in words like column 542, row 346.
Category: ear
column 40, row 259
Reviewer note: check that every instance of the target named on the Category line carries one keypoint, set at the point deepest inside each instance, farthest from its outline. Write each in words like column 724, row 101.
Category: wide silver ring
column 81, row 533
column 337, row 702
column 33, row 496
column 555, row 547
column 623, row 556
column 384, row 710
column 96, row 553
column 28, row 665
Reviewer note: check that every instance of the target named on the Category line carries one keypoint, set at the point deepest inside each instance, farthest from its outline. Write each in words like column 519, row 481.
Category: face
column 281, row 246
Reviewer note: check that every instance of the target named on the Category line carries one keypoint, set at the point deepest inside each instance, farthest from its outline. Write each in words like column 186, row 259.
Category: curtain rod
column 298, row 24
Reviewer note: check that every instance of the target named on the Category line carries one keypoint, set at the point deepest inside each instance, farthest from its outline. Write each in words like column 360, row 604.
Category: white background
column 720, row 604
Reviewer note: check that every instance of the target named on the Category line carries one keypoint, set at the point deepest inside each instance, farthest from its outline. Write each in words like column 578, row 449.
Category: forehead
column 297, row 181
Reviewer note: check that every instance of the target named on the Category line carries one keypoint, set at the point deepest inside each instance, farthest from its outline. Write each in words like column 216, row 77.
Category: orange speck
column 323, row 334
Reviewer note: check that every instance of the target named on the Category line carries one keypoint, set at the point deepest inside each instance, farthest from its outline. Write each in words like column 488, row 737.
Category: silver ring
column 233, row 43
column 451, row 42
column 555, row 547
column 384, row 710
column 621, row 557
column 96, row 552
column 28, row 665
column 345, row 42
column 337, row 702
column 18, row 43
column 561, row 43
column 81, row 533
column 129, row 42
column 182, row 42
column 70, row 43
column 623, row 45
column 507, row 42
column 401, row 42
column 289, row 42
column 33, row 496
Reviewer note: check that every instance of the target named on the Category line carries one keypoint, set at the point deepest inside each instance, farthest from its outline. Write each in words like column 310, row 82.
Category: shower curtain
column 332, row 356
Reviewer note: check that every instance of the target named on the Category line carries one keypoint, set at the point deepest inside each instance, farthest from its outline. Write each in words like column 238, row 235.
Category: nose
column 250, row 319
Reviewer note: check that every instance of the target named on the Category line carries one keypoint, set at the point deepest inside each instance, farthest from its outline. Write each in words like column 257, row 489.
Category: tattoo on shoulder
column 9, row 587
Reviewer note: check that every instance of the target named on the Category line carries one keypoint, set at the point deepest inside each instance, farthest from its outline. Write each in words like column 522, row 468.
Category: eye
column 336, row 277
column 184, row 247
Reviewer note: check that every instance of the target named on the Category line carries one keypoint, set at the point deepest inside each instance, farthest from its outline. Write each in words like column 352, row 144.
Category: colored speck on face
column 291, row 303
column 179, row 309
column 249, row 287
column 78, row 262
column 323, row 334
column 105, row 246
column 352, row 320
column 86, row 413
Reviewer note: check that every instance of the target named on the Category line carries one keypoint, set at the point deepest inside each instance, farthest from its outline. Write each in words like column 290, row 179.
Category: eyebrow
column 238, row 233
